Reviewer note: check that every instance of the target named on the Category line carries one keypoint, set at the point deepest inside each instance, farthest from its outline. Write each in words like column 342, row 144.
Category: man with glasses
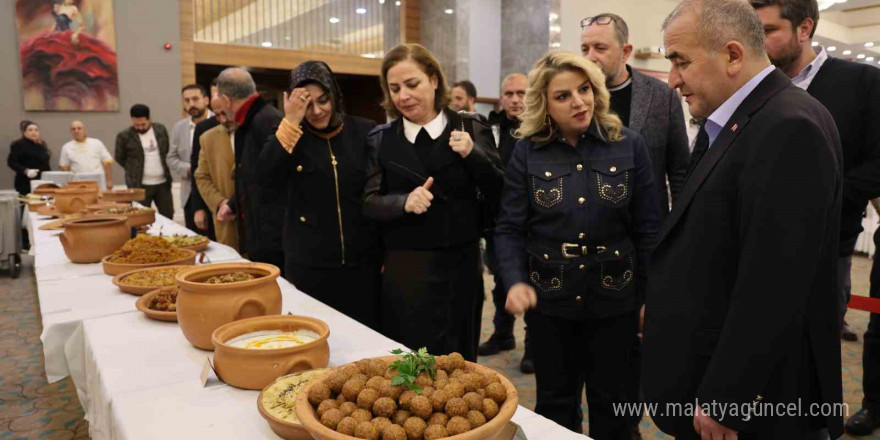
column 644, row 104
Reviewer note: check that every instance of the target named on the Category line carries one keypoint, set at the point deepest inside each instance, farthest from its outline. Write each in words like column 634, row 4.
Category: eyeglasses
column 601, row 19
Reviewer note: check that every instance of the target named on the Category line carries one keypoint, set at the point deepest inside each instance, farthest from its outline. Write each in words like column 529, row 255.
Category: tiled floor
column 32, row 409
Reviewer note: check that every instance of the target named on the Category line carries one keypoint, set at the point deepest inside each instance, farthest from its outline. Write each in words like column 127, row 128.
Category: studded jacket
column 578, row 224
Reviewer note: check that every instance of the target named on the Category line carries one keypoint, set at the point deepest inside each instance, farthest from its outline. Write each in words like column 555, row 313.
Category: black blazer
column 741, row 305
column 851, row 93
column 25, row 154
column 324, row 225
column 394, row 169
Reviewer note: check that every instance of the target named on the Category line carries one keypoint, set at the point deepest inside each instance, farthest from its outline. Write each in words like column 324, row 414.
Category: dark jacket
column 130, row 154
column 394, row 170
column 25, row 154
column 851, row 93
column 657, row 115
column 741, row 306
column 323, row 223
column 598, row 197
column 506, row 129
column 195, row 198
column 260, row 210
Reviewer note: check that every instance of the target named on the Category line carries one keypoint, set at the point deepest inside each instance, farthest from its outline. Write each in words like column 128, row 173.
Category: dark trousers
column 352, row 290
column 572, row 355
column 161, row 194
column 871, row 355
column 189, row 218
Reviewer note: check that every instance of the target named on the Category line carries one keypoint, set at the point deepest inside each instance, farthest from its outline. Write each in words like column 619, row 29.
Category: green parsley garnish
column 410, row 366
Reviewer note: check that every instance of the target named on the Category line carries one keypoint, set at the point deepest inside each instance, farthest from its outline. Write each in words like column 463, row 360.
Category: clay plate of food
column 159, row 304
column 277, row 404
column 143, row 281
column 196, row 243
column 146, row 251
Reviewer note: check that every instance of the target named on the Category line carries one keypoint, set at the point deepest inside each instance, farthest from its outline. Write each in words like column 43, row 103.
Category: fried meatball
column 439, row 384
column 406, row 397
column 414, row 427
column 336, row 380
column 378, row 367
column 456, row 407
column 394, row 432
column 367, row 398
column 438, row 400
column 347, row 426
column 362, row 415
column 424, row 380
column 347, row 408
column 476, row 419
column 375, row 383
column 391, row 391
column 428, row 391
column 458, row 425
column 318, row 393
column 352, row 388
column 443, row 363
column 496, row 392
column 435, row 432
column 440, row 375
column 400, row 416
column 327, row 405
column 490, row 378
column 341, row 399
column 360, row 376
column 420, row 406
column 366, row 430
column 490, row 408
column 454, row 389
column 390, row 373
column 438, row 419
column 474, row 401
column 384, row 407
column 350, row 370
column 363, row 366
column 482, row 392
column 380, row 423
column 331, row 418
column 457, row 373
column 471, row 382
column 457, row 360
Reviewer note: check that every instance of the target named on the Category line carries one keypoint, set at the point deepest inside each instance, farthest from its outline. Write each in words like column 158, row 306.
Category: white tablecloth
column 139, row 379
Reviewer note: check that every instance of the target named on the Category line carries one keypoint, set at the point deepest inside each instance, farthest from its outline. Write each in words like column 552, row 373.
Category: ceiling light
column 556, row 45
column 448, row 11
column 847, row 52
column 860, row 56
column 369, row 55
column 334, row 20
column 266, row 44
column 869, row 59
column 815, row 43
column 381, row 2
column 397, row 3
column 360, row 11
column 869, row 44
column 554, row 16
column 831, row 48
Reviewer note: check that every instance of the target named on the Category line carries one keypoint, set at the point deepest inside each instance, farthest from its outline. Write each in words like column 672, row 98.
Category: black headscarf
column 318, row 72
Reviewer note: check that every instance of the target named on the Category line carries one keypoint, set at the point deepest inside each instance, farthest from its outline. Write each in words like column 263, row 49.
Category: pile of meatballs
column 358, row 400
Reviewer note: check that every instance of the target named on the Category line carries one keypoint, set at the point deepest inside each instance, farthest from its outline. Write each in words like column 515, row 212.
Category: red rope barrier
column 864, row 303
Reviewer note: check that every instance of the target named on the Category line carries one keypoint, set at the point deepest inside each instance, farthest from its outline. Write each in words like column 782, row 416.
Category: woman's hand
column 520, row 298
column 295, row 105
column 461, row 143
column 419, row 200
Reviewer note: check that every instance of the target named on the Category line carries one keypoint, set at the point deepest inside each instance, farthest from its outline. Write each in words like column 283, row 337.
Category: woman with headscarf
column 28, row 156
column 331, row 250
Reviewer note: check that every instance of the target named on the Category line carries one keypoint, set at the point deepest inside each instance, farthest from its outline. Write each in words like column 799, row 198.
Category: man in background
column 463, row 97
column 142, row 150
column 195, row 103
column 86, row 155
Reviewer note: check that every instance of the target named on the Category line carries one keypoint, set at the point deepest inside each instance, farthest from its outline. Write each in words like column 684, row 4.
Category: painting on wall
column 67, row 51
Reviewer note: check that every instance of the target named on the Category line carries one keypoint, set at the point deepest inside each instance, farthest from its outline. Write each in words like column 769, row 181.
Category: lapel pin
column 735, row 126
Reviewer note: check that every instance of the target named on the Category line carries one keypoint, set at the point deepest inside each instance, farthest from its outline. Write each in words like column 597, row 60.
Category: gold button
column 616, row 253
column 302, row 219
column 578, row 298
column 612, row 169
column 299, row 169
column 546, row 257
column 580, row 167
column 582, row 235
column 582, row 200
column 582, row 267
column 548, row 173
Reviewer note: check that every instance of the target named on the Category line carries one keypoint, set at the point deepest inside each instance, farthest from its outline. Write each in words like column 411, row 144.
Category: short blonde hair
column 537, row 125
column 426, row 61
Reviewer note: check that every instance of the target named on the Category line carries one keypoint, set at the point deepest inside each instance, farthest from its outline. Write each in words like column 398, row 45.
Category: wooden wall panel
column 231, row 55
column 410, row 22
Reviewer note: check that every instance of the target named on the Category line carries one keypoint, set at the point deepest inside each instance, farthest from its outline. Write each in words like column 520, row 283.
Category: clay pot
column 111, row 268
column 143, row 217
column 202, row 307
column 71, row 200
column 35, row 206
column 84, row 184
column 88, row 240
column 124, row 195
column 46, row 189
column 100, row 206
column 285, row 429
column 253, row 369
column 48, row 210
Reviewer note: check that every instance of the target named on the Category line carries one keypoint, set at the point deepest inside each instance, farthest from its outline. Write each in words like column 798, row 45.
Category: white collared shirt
column 434, row 128
column 805, row 77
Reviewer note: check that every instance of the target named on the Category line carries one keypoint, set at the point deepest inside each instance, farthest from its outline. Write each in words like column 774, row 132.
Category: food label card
column 209, row 376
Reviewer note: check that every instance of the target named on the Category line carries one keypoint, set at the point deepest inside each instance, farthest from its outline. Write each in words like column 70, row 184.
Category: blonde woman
column 579, row 213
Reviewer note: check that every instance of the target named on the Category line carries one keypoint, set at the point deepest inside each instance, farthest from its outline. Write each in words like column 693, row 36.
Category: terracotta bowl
column 48, row 210
column 202, row 307
column 88, row 240
column 143, row 304
column 124, row 195
column 35, row 206
column 284, row 429
column 253, row 369
column 84, row 184
column 143, row 217
column 118, row 268
column 70, row 200
column 119, row 280
column 100, row 206
column 308, row 416
column 46, row 189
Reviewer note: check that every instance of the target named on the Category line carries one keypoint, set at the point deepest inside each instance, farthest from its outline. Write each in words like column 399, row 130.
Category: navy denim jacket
column 578, row 224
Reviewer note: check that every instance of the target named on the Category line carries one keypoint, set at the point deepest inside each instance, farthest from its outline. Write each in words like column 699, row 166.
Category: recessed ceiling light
column 266, row 44
column 869, row 44
column 869, row 59
column 369, row 55
column 381, row 2
column 360, row 11
column 334, row 20
column 860, row 56
column 448, row 11
column 847, row 52
column 396, row 3
column 815, row 43
column 831, row 48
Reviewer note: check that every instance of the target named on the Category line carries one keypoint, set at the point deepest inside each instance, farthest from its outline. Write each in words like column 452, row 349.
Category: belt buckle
column 566, row 247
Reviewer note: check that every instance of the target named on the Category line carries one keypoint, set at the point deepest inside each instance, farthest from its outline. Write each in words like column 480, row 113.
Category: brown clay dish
column 48, row 210
column 135, row 218
column 70, row 200
column 124, row 195
column 202, row 307
column 119, row 280
column 253, row 369
column 143, row 304
column 118, row 268
column 35, row 206
column 84, row 184
column 46, row 188
column 285, row 429
column 100, row 206
column 89, row 239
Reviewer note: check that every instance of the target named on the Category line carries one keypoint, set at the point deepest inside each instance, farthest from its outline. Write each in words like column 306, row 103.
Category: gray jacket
column 657, row 115
column 179, row 157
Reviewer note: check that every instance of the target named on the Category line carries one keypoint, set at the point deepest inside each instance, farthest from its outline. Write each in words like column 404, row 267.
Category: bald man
column 86, row 155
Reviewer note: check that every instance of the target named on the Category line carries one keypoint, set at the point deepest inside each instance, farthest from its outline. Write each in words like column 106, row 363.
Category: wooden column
column 410, row 22
column 187, row 52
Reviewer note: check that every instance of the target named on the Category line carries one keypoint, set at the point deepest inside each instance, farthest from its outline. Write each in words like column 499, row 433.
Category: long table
column 140, row 379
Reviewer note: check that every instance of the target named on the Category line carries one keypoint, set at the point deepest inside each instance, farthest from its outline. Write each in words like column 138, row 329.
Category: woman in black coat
column 331, row 251
column 28, row 156
column 427, row 173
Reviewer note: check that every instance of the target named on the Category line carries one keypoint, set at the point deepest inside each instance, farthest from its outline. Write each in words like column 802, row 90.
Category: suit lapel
column 641, row 101
column 766, row 89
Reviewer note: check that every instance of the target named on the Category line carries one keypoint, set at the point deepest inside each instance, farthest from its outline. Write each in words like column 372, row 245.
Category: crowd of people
column 646, row 272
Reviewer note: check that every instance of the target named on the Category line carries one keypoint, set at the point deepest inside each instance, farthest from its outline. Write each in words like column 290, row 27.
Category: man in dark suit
column 740, row 311
column 197, row 203
column 851, row 93
column 644, row 104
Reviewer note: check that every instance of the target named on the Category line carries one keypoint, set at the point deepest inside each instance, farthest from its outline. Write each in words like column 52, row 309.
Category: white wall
column 485, row 46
